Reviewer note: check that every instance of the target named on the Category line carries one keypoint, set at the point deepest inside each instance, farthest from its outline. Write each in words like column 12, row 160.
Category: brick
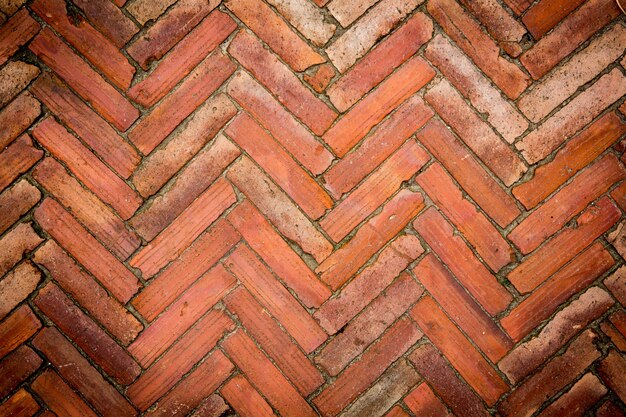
column 265, row 377
column 536, row 268
column 92, row 255
column 246, row 400
column 375, row 148
column 187, row 268
column 261, row 147
column 87, row 335
column 445, row 383
column 618, row 329
column 180, row 359
column 372, row 236
column 278, row 208
column 181, row 315
column 356, row 41
column 275, row 298
column 546, row 14
column 161, row 165
column 577, row 153
column 274, row 341
column 453, row 252
column 357, row 378
column 17, row 328
column 9, row 7
column 17, row 285
column 84, row 289
column 17, row 116
column 369, row 325
column 397, row 411
column 582, row 68
column 565, row 38
column 296, row 139
column 170, row 112
column 16, row 368
column 154, row 43
column 172, row 241
column 80, row 374
column 321, row 75
column 211, row 406
column 565, row 204
column 16, row 201
column 574, row 277
column 609, row 409
column 355, row 124
column 307, row 19
column 17, row 31
column 16, row 159
column 14, row 77
column 619, row 195
column 109, row 20
column 15, row 244
column 468, row 34
column 617, row 238
column 147, row 10
column 278, row 255
column 20, row 404
column 183, row 58
column 552, row 378
column 380, row 61
column 347, row 12
column 461, row 72
column 366, row 286
column 423, row 402
column 477, row 134
column 615, row 283
column 611, row 370
column 281, row 82
column 87, row 124
column 268, row 26
column 581, row 396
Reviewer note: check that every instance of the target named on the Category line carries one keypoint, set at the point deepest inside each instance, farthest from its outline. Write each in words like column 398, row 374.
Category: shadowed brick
column 423, row 402
column 15, row 33
column 17, row 367
column 109, row 20
column 245, row 399
column 18, row 327
column 612, row 370
column 580, row 397
column 21, row 404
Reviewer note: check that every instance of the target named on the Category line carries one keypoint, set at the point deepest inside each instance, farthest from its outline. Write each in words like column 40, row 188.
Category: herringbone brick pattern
column 312, row 208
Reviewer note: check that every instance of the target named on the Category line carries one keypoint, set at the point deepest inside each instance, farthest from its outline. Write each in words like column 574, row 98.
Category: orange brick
column 279, row 79
column 246, row 400
column 15, row 33
column 265, row 377
column 423, row 402
column 261, row 147
column 170, row 243
column 355, row 124
column 183, row 58
column 15, row 244
column 582, row 396
column 16, row 159
column 16, row 368
column 612, row 370
column 17, row 328
column 17, row 116
column 320, row 77
column 89, row 126
column 453, row 252
column 373, row 235
column 87, row 167
column 109, row 20
column 21, row 404
column 275, row 298
column 213, row 405
column 72, row 236
column 16, row 201
column 397, row 411
column 565, row 204
column 17, row 285
column 177, row 106
column 546, row 14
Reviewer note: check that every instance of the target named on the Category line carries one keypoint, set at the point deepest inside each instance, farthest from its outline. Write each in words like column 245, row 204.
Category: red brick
column 170, row 112
column 187, row 268
column 296, row 139
column 20, row 404
column 274, row 341
column 468, row 34
column 17, row 285
column 17, row 116
column 273, row 30
column 278, row 208
column 546, row 14
column 565, row 204
column 565, row 38
column 591, row 224
column 14, row 77
column 16, row 159
column 612, row 370
column 169, row 30
column 170, row 243
column 357, row 378
column 261, row 147
column 616, row 283
column 180, row 316
column 381, row 61
column 15, row 244
column 309, row 20
column 477, row 134
column 355, row 124
column 246, row 400
column 375, row 148
column 373, row 235
column 181, row 358
column 265, row 377
column 84, row 289
column 422, row 401
column 17, row 367
column 275, row 298
column 321, row 76
column 278, row 255
column 284, row 84
column 17, row 328
column 89, row 126
column 109, row 20
column 609, row 409
column 574, row 277
column 183, row 58
column 619, row 195
column 15, row 33
column 92, row 255
column 16, row 201
column 369, row 325
column 211, row 406
column 397, row 411
column 518, row 6
column 453, row 252
column 80, row 374
column 617, row 329
column 86, row 334
column 617, row 238
column 581, row 396
column 147, row 10
column 366, row 286
column 574, row 156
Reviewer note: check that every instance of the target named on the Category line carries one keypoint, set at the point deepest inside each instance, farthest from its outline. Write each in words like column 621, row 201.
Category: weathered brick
column 246, row 400
column 609, row 409
column 321, row 75
column 346, row 11
column 15, row 33
column 15, row 244
column 109, row 20
column 17, row 328
column 17, row 116
column 16, row 159
column 17, row 285
column 422, row 401
column 616, row 283
column 612, row 370
column 615, row 328
column 617, row 238
column 308, row 19
column 619, row 195
column 581, row 396
column 17, row 367
column 20, row 404
column 211, row 406
column 16, row 201
column 13, row 78
column 146, row 10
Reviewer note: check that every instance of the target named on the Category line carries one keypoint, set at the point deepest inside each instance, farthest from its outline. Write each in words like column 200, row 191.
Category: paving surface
column 310, row 207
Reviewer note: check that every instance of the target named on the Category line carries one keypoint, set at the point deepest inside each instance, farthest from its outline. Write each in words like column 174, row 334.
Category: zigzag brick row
column 356, row 208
